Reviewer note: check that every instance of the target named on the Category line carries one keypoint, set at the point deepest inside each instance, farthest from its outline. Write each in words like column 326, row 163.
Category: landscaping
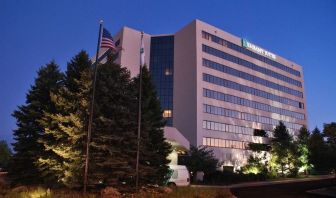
column 186, row 192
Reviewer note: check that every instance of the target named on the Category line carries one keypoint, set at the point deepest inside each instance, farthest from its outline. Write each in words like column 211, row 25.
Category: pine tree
column 329, row 132
column 23, row 168
column 281, row 145
column 201, row 158
column 5, row 155
column 65, row 129
column 153, row 149
column 302, row 143
column 318, row 156
column 113, row 147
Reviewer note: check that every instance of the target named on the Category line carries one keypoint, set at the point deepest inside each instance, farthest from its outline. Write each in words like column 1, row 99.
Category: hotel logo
column 257, row 49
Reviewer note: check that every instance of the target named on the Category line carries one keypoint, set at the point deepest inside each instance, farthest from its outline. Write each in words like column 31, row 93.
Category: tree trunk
column 282, row 170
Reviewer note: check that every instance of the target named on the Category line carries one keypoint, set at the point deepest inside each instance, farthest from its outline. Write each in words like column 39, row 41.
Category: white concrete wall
column 130, row 41
column 185, row 80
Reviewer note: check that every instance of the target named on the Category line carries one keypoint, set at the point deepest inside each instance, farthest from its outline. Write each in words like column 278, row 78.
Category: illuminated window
column 168, row 72
column 167, row 113
column 216, row 143
column 221, row 143
column 212, row 143
column 208, row 142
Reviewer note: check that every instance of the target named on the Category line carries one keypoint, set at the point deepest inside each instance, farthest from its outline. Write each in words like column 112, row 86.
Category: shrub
column 224, row 178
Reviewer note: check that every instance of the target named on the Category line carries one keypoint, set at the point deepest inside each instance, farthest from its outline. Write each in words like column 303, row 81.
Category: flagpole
column 88, row 140
column 139, row 115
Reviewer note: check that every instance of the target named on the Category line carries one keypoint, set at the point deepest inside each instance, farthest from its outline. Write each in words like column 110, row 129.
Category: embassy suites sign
column 257, row 49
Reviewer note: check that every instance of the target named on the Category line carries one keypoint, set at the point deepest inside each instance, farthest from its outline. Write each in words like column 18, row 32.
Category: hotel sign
column 257, row 49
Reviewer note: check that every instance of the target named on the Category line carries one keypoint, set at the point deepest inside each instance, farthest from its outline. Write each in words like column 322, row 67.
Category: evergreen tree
column 201, row 159
column 65, row 129
column 113, row 147
column 5, row 155
column 302, row 143
column 329, row 132
column 260, row 132
column 318, row 152
column 258, row 161
column 154, row 149
column 255, row 165
column 281, row 148
column 23, row 168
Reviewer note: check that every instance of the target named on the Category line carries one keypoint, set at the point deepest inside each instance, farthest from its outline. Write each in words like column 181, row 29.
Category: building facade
column 216, row 88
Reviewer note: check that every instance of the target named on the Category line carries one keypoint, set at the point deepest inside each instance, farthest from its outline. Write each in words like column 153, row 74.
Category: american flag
column 107, row 41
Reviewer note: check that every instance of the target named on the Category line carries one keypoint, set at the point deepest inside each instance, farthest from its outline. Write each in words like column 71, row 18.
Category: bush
column 224, row 178
column 40, row 192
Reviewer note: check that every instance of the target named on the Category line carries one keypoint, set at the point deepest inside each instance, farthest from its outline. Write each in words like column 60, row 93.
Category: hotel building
column 216, row 88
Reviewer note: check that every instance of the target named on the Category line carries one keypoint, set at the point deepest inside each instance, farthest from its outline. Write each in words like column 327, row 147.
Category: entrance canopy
column 176, row 139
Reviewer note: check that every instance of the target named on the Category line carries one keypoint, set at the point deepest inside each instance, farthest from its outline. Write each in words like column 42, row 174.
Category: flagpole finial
column 101, row 21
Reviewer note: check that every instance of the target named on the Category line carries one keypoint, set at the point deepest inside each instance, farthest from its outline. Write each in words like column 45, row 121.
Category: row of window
column 250, row 103
column 164, row 82
column 250, row 90
column 247, row 64
column 166, row 102
column 246, row 116
column 249, row 77
column 217, row 126
column 223, row 143
column 162, row 54
column 247, row 52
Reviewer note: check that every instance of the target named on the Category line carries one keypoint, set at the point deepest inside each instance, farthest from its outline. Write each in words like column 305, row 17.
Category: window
column 247, row 52
column 168, row 71
column 249, row 65
column 161, row 69
column 233, row 85
column 204, row 124
column 167, row 113
column 208, row 125
column 212, row 143
column 212, row 126
column 244, row 116
column 216, row 126
column 208, row 142
column 216, row 143
column 220, row 144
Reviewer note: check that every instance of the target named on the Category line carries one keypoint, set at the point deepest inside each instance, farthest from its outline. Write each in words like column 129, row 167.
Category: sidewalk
column 266, row 183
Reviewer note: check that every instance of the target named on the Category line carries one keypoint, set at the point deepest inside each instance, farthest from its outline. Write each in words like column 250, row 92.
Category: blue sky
column 34, row 32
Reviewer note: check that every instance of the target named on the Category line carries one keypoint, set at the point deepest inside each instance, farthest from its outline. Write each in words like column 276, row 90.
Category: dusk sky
column 32, row 33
